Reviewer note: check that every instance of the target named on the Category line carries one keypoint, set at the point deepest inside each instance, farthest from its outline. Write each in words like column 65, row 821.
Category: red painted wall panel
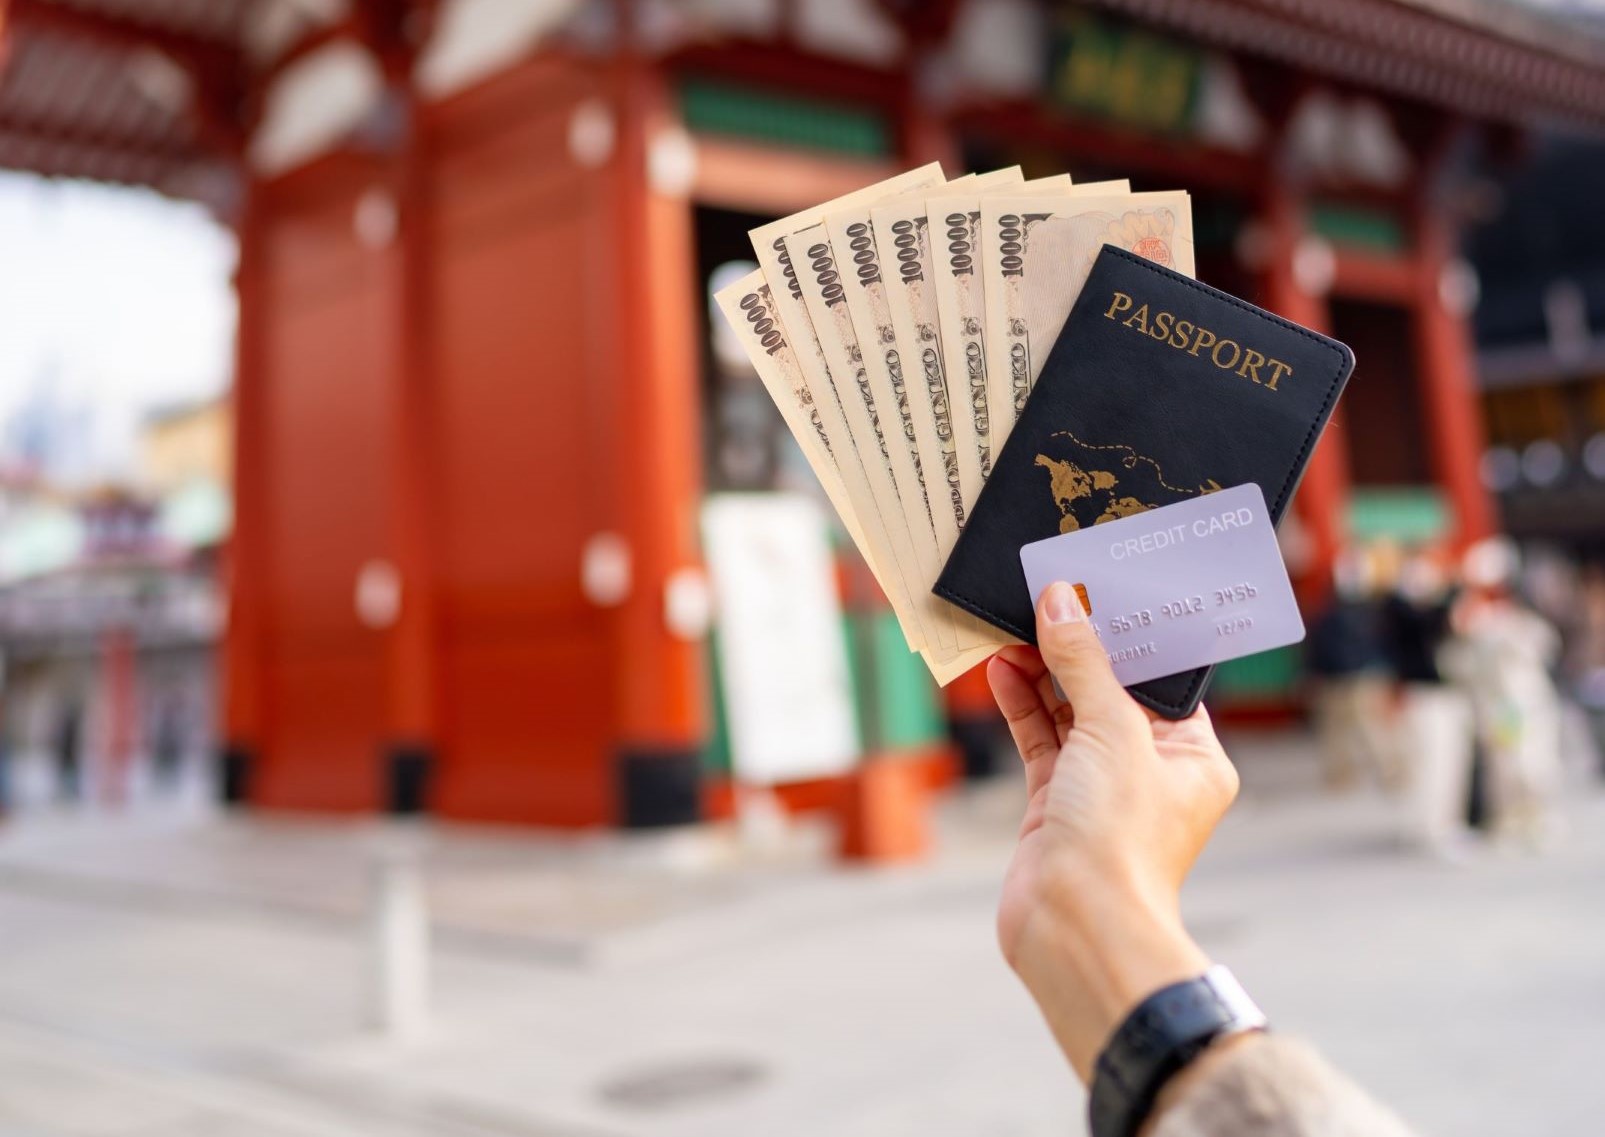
column 327, row 374
column 519, row 272
column 528, row 410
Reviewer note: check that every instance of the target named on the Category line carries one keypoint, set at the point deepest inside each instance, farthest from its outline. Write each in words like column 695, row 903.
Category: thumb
column 1075, row 655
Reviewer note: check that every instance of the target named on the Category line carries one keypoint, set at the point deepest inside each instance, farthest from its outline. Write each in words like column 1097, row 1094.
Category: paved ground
column 184, row 975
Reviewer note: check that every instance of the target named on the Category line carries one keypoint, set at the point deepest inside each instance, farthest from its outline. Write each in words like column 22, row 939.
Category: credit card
column 1178, row 587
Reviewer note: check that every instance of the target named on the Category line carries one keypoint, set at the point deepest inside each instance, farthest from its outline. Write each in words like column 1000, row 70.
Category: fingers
column 1074, row 655
column 1029, row 721
column 1225, row 770
column 1028, row 661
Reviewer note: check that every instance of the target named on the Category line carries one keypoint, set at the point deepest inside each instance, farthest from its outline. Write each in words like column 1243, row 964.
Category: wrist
column 1171, row 1038
column 1090, row 960
column 1197, row 1072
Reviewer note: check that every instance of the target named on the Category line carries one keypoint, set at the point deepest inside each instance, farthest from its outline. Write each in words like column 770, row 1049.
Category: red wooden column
column 925, row 135
column 411, row 729
column 244, row 558
column 1322, row 498
column 1448, row 385
column 652, row 457
column 244, row 639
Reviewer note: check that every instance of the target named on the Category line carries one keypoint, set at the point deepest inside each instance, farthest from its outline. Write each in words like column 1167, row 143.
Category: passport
column 1159, row 389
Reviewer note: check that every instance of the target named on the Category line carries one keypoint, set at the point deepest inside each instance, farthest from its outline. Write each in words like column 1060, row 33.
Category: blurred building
column 108, row 635
column 187, row 444
column 478, row 396
column 110, row 617
column 1541, row 334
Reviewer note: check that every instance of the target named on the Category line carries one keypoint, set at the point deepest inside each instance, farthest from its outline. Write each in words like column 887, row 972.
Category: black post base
column 659, row 787
column 408, row 770
column 977, row 740
column 236, row 763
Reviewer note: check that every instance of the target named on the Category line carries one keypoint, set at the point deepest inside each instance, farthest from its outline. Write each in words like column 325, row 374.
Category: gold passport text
column 1184, row 335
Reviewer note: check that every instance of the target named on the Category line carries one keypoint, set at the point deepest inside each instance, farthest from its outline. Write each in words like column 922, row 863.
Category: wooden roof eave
column 1400, row 48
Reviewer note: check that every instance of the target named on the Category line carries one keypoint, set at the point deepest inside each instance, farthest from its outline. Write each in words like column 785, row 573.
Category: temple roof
column 154, row 92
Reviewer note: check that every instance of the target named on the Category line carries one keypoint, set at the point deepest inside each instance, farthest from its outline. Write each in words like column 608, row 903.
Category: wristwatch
column 1165, row 1032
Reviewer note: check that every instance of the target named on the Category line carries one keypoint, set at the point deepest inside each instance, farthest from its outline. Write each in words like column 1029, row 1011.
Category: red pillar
column 244, row 641
column 1448, row 386
column 653, row 461
column 1322, row 499
column 119, row 714
column 411, row 729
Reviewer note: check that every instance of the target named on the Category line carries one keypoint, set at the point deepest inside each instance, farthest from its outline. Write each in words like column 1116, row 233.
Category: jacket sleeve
column 1275, row 1087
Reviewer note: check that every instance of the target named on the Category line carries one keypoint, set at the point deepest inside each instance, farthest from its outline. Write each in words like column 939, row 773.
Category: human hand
column 1119, row 805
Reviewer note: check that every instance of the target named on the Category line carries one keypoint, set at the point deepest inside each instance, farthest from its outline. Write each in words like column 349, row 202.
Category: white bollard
column 399, row 932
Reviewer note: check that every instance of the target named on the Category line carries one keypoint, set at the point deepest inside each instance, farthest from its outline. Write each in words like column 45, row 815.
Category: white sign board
column 787, row 691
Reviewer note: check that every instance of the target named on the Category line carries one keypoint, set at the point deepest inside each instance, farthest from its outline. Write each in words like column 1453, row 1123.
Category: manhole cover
column 676, row 1083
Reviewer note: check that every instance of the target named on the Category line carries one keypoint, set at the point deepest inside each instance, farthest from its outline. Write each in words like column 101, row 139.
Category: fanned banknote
column 884, row 526
column 899, row 389
column 955, row 222
column 876, row 417
column 902, row 233
column 750, row 307
column 1035, row 260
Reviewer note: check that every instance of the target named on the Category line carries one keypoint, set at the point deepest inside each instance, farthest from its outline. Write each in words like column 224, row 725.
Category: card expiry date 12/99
column 1179, row 587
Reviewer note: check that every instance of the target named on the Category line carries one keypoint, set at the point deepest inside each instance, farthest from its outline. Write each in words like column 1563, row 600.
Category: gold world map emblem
column 1079, row 489
column 1072, row 484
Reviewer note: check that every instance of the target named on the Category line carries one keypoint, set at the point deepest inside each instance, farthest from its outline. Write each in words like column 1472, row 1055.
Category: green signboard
column 1357, row 227
column 1399, row 513
column 714, row 107
column 1124, row 75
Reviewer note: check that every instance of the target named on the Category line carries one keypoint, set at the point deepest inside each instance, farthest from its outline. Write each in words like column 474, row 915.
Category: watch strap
column 1161, row 1035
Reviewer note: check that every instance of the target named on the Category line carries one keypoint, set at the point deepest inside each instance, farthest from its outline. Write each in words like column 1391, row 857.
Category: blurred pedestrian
column 1120, row 804
column 167, row 741
column 1435, row 735
column 1353, row 697
column 1508, row 651
column 7, row 748
column 1588, row 655
column 69, row 756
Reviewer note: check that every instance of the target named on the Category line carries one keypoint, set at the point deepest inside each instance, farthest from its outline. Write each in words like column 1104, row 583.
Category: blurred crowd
column 1466, row 686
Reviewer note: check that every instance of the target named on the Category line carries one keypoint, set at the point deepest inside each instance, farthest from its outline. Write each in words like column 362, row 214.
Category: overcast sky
column 112, row 301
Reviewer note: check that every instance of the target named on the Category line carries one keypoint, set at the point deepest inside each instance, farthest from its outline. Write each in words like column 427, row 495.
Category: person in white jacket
column 1503, row 656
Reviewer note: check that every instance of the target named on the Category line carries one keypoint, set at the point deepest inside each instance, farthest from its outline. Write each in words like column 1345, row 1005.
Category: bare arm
column 1120, row 804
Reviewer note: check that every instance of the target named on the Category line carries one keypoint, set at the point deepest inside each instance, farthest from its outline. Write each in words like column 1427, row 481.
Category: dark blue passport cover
column 1158, row 389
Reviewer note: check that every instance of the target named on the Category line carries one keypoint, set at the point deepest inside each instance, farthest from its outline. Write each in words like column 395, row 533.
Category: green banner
column 1123, row 75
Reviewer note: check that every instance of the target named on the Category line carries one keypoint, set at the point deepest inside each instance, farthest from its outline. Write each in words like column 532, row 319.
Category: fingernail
column 1061, row 605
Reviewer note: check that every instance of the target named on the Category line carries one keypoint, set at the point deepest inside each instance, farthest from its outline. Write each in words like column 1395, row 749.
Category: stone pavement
column 187, row 974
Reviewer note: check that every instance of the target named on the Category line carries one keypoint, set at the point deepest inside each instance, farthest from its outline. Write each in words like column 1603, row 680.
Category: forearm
column 1088, row 965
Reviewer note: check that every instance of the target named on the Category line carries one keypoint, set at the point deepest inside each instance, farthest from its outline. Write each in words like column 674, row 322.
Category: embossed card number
column 1186, row 585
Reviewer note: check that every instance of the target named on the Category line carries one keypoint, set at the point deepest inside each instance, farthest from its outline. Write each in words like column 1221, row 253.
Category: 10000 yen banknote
column 874, row 417
column 1036, row 258
column 903, row 233
column 882, row 524
column 1006, row 226
column 955, row 227
column 899, row 390
column 749, row 305
column 902, row 230
column 945, row 429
